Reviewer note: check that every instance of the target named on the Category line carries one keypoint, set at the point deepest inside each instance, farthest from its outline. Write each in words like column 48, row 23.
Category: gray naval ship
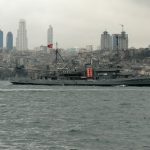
column 87, row 77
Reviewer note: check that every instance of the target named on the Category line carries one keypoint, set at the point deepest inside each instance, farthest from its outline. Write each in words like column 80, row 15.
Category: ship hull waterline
column 107, row 82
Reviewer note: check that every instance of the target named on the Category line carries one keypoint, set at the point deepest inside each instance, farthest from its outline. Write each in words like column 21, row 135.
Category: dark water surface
column 74, row 118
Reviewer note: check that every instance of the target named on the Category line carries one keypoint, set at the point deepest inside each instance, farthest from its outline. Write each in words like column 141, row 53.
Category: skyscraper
column 21, row 40
column 9, row 41
column 120, row 41
column 1, row 39
column 106, row 41
column 115, row 41
column 123, row 41
column 50, row 35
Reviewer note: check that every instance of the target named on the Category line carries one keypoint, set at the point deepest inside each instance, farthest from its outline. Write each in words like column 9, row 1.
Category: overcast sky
column 77, row 23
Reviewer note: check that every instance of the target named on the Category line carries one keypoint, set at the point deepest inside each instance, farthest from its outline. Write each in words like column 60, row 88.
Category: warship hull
column 141, row 81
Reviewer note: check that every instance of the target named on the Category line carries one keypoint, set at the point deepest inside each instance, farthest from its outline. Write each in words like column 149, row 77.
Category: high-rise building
column 123, row 41
column 1, row 39
column 21, row 40
column 115, row 41
column 106, row 41
column 50, row 35
column 120, row 41
column 9, row 41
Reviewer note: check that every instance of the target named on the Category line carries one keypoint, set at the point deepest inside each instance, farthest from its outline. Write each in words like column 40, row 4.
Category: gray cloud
column 77, row 22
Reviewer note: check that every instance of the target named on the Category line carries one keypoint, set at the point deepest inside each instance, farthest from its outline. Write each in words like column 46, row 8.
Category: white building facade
column 106, row 41
column 21, row 40
column 50, row 35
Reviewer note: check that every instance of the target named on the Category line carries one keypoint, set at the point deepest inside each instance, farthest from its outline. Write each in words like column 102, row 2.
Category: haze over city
column 77, row 23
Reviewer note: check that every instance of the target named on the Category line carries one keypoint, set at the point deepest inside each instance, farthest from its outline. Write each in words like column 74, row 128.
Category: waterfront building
column 50, row 36
column 106, row 41
column 9, row 41
column 21, row 40
column 120, row 41
column 1, row 39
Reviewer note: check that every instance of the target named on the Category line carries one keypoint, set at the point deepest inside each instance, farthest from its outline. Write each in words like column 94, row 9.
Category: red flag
column 50, row 45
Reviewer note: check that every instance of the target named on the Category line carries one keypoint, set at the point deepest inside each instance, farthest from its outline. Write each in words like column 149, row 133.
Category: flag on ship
column 50, row 45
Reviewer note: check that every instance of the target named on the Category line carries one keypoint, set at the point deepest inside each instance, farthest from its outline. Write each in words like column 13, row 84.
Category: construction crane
column 122, row 27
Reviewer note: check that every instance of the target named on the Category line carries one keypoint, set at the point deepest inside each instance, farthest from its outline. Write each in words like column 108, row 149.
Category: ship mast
column 57, row 54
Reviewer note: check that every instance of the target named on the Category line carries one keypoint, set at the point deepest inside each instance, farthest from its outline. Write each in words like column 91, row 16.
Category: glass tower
column 1, row 39
column 9, row 41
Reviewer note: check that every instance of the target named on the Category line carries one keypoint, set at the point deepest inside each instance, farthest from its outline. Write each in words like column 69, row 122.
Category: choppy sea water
column 74, row 118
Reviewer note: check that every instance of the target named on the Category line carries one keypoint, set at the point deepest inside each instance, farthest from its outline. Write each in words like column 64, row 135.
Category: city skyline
column 77, row 23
